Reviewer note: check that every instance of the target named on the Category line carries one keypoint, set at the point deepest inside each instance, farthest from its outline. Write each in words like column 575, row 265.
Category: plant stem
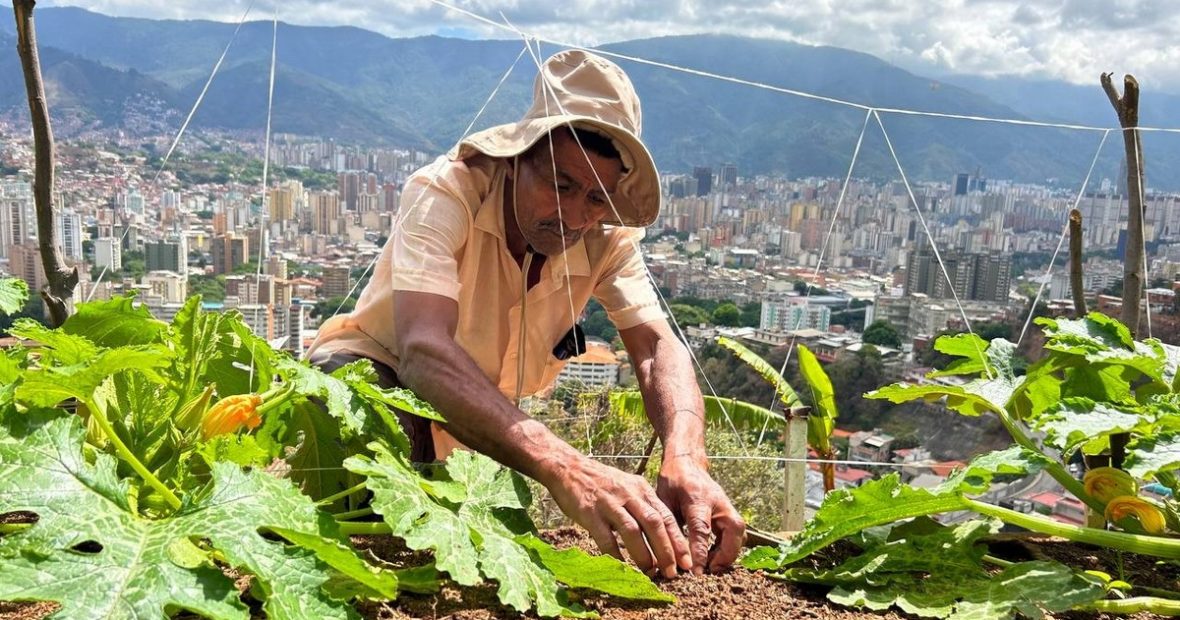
column 365, row 528
column 352, row 514
column 991, row 559
column 1054, row 468
column 1136, row 604
column 100, row 417
column 341, row 495
column 1157, row 546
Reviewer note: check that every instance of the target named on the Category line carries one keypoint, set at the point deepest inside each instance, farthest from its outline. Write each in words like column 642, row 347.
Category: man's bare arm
column 603, row 500
column 674, row 405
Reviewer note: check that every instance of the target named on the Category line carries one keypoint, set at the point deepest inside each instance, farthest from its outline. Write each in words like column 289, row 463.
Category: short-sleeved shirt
column 449, row 240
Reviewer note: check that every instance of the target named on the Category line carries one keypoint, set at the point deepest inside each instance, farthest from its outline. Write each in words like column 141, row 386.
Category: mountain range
column 358, row 86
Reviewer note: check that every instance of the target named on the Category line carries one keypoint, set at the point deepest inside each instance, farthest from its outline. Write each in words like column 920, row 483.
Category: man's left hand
column 701, row 505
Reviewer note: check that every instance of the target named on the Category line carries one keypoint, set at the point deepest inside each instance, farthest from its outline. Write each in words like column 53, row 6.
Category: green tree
column 882, row 333
column 687, row 315
column 727, row 315
column 210, row 288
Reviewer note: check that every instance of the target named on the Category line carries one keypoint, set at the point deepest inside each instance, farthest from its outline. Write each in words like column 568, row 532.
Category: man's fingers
column 679, row 542
column 604, row 537
column 697, row 521
column 631, row 534
column 730, row 531
column 652, row 517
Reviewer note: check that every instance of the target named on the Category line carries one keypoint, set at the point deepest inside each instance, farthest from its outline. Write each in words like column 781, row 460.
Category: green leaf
column 114, row 323
column 14, row 292
column 823, row 417
column 141, row 568
column 968, row 346
column 1149, row 456
column 1076, row 421
column 343, row 402
column 977, row 476
column 377, row 583
column 958, row 397
column 50, row 386
column 603, row 573
column 937, row 572
column 726, row 411
column 235, row 448
column 1100, row 339
column 1028, row 589
column 783, row 390
column 1108, row 384
column 462, row 517
column 318, row 452
column 845, row 512
column 57, row 347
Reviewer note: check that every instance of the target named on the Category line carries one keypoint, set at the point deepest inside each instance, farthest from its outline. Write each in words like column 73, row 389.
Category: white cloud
column 1073, row 40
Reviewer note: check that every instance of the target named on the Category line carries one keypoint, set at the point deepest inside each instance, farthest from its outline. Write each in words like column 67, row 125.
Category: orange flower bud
column 1150, row 517
column 1107, row 483
column 230, row 414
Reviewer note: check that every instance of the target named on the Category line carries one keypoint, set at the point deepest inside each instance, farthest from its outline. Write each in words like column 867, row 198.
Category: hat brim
column 637, row 198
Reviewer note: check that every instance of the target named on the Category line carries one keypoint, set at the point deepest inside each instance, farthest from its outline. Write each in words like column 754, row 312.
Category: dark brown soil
column 737, row 594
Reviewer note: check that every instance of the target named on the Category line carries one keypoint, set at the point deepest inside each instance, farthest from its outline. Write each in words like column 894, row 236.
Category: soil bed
column 737, row 594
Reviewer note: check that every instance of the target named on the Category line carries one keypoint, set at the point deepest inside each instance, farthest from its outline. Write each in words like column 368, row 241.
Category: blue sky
column 1072, row 40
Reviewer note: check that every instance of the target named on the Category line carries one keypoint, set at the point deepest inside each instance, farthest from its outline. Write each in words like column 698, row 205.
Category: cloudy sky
column 1074, row 40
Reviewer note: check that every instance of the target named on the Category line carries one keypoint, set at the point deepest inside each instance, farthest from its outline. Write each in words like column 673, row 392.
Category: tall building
column 18, row 221
column 24, row 261
column 790, row 311
column 961, row 183
column 276, row 266
column 229, row 252
column 108, row 253
column 166, row 256
column 729, row 175
column 704, row 177
column 169, row 286
column 281, row 200
column 975, row 276
column 337, row 282
column 325, row 212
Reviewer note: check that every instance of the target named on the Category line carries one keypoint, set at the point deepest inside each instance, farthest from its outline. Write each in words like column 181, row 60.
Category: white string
column 787, row 91
column 262, row 215
column 434, row 178
column 819, row 262
column 176, row 140
column 1049, row 270
column 930, row 237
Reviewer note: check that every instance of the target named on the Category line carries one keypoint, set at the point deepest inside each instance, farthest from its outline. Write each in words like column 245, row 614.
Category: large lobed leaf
column 471, row 515
column 845, row 512
column 1100, row 339
column 933, row 571
column 114, row 323
column 13, row 294
column 1078, row 421
column 1150, row 456
column 131, row 567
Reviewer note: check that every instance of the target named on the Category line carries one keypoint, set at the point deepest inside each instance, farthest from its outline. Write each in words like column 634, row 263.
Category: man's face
column 558, row 199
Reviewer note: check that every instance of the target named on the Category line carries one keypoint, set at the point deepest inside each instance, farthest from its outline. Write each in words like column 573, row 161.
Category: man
column 497, row 248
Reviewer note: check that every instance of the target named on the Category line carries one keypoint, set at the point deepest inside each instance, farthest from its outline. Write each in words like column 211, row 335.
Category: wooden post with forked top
column 59, row 293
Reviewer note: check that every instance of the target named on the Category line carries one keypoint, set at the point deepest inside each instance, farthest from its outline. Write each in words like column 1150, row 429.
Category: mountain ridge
column 355, row 85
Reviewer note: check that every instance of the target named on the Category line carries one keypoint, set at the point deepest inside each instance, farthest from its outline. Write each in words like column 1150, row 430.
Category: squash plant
column 1094, row 381
column 141, row 461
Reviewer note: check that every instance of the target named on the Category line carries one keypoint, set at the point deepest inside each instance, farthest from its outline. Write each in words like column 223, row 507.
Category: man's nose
column 585, row 215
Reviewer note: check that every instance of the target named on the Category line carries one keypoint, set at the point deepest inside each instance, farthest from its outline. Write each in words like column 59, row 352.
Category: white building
column 108, row 253
column 170, row 287
column 790, row 311
column 597, row 367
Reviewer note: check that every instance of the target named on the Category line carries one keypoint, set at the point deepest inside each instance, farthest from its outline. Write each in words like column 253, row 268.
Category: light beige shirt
column 449, row 240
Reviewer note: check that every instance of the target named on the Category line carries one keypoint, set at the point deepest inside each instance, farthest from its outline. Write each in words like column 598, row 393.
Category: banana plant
column 822, row 420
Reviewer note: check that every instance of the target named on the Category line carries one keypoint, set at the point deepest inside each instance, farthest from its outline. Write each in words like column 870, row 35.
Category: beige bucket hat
column 586, row 91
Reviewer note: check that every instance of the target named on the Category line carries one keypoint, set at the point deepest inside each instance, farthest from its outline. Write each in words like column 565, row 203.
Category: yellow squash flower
column 230, row 414
column 1106, row 483
column 1150, row 517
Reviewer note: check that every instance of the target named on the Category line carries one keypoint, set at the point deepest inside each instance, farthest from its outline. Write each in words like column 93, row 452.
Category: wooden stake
column 1075, row 263
column 795, row 471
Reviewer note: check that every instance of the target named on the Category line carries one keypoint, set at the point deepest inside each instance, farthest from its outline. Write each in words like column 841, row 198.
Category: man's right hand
column 608, row 502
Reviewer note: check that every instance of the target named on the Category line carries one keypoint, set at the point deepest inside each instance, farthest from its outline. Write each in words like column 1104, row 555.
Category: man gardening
column 497, row 248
